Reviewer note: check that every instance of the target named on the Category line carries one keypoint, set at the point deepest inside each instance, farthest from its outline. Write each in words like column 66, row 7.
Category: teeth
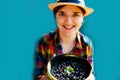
column 68, row 27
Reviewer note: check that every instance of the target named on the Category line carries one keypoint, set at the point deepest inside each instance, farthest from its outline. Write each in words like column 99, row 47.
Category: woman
column 66, row 39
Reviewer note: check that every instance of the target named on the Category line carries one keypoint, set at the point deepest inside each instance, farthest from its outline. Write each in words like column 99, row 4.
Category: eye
column 76, row 14
column 61, row 14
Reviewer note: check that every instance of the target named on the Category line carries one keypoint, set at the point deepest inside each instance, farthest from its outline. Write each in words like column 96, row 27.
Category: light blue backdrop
column 22, row 22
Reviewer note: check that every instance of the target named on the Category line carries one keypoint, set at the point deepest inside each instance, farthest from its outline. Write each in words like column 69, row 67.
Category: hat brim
column 87, row 10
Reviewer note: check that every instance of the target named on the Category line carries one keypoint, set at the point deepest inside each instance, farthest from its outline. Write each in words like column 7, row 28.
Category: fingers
column 44, row 77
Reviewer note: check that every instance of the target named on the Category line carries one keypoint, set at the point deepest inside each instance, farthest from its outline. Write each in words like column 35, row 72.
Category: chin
column 70, row 33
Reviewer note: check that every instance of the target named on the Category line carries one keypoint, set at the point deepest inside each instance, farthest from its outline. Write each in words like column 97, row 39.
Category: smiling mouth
column 68, row 28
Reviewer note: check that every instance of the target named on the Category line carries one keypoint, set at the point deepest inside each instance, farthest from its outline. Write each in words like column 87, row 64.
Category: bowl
column 68, row 67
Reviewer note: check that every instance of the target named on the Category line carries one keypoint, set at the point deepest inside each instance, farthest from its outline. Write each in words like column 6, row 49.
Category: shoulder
column 47, row 38
column 86, row 39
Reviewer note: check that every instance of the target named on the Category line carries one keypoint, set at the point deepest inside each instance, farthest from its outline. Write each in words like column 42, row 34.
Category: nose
column 68, row 19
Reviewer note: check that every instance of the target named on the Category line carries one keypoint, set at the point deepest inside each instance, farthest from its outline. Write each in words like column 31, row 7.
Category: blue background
column 22, row 22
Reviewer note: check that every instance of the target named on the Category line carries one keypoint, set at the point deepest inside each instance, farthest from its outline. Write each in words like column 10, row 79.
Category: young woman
column 66, row 39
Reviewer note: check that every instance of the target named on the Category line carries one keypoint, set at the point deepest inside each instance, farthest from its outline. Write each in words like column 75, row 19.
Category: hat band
column 73, row 1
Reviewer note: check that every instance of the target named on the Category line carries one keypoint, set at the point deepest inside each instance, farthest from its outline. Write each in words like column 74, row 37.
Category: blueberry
column 68, row 70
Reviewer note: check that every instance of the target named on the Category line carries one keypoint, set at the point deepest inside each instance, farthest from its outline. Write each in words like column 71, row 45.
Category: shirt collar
column 78, row 39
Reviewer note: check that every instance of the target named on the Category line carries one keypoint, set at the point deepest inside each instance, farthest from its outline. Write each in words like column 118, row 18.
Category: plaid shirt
column 49, row 46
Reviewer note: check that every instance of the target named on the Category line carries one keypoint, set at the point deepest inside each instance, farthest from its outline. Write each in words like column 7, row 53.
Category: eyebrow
column 73, row 12
column 78, row 12
column 61, row 11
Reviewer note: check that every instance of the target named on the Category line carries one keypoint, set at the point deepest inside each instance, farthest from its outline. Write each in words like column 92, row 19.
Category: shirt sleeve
column 90, row 54
column 91, row 58
column 40, row 60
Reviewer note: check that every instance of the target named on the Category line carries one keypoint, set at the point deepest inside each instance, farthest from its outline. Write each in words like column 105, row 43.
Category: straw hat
column 79, row 3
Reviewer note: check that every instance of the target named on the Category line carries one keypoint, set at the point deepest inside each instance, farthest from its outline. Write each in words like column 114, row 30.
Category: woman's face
column 69, row 19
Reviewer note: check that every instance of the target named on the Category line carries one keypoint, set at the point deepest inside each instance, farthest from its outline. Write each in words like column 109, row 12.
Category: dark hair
column 59, row 7
column 83, row 11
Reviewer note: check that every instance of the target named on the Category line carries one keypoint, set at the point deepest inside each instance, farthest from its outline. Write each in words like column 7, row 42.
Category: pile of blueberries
column 68, row 70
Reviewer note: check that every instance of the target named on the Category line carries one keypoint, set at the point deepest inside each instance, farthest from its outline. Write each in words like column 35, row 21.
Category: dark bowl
column 68, row 59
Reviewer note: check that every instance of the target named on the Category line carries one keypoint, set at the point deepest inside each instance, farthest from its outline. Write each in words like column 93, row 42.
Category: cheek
column 59, row 21
column 79, row 22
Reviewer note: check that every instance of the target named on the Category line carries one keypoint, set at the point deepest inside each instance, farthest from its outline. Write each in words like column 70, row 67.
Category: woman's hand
column 91, row 77
column 44, row 77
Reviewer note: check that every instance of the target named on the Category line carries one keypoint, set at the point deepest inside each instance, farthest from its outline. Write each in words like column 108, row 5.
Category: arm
column 40, row 61
column 90, row 53
column 90, row 56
